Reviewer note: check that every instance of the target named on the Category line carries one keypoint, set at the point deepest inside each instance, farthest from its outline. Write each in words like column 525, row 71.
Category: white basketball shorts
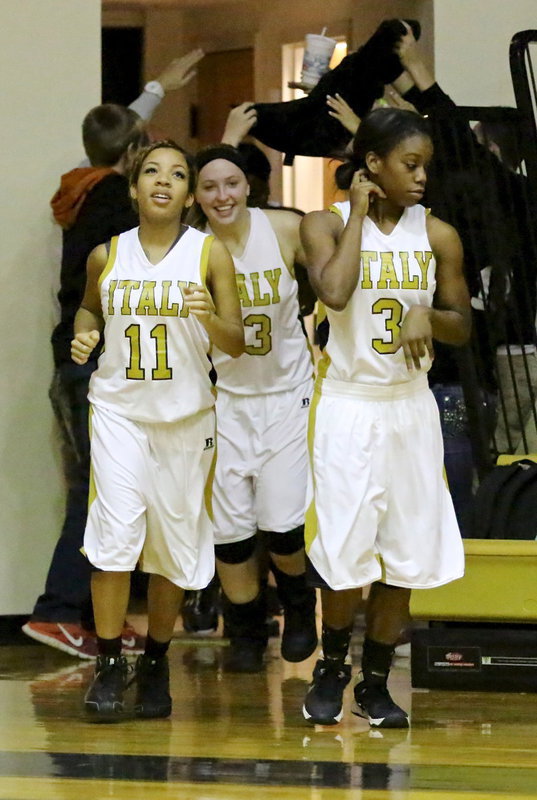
column 262, row 465
column 378, row 506
column 150, row 496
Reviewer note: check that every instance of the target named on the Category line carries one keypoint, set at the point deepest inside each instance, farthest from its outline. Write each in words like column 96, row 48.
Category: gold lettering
column 367, row 257
column 423, row 260
column 387, row 272
column 182, row 285
column 127, row 286
column 407, row 283
column 168, row 310
column 146, row 303
column 259, row 300
column 111, row 290
column 273, row 277
column 242, row 290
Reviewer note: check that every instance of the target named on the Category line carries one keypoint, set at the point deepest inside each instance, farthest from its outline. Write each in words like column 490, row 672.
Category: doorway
column 122, row 59
column 309, row 183
column 225, row 80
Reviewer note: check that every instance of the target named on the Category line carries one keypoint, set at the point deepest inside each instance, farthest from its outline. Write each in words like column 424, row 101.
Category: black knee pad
column 285, row 544
column 236, row 552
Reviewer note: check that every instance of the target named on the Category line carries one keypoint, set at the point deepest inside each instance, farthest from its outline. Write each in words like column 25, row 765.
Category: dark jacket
column 105, row 211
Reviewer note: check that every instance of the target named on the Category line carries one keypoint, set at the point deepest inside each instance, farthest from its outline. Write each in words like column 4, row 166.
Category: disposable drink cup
column 317, row 55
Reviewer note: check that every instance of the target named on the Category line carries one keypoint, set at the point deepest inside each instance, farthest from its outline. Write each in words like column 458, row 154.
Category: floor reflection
column 248, row 730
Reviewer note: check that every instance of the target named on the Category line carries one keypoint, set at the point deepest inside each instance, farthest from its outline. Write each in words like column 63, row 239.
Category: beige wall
column 472, row 47
column 50, row 75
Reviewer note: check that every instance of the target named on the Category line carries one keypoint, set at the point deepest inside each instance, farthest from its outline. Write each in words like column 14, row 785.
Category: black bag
column 505, row 504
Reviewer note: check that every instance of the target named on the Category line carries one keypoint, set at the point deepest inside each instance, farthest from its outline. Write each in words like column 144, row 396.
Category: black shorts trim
column 313, row 578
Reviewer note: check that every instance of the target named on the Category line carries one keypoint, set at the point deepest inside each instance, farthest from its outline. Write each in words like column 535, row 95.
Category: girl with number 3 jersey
column 380, row 513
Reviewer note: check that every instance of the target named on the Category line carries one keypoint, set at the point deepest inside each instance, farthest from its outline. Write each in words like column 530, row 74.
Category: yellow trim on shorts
column 322, row 369
column 92, row 493
column 310, row 519
column 321, row 312
column 110, row 260
column 204, row 258
column 208, row 490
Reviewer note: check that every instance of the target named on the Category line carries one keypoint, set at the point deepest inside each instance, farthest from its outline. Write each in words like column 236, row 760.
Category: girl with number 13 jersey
column 262, row 410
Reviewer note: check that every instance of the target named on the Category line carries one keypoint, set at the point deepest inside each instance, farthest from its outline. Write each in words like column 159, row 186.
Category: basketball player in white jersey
column 164, row 294
column 262, row 410
column 390, row 276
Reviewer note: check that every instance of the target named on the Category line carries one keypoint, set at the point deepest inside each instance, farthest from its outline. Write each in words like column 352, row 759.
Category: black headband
column 225, row 151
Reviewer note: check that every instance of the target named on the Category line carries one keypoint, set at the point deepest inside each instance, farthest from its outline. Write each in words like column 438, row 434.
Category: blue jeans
column 458, row 458
column 67, row 595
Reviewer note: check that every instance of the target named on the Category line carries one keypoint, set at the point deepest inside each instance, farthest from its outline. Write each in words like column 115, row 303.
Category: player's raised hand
column 362, row 192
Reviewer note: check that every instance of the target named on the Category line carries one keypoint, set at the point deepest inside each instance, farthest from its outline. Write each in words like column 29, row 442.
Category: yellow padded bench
column 509, row 459
column 499, row 585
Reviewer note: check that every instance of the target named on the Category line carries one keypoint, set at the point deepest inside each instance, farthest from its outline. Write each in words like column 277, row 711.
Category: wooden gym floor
column 235, row 737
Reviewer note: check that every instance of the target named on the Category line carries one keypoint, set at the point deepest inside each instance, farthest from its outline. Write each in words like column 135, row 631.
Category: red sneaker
column 132, row 643
column 65, row 636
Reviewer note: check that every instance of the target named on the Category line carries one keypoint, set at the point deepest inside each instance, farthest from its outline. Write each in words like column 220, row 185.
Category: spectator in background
column 473, row 185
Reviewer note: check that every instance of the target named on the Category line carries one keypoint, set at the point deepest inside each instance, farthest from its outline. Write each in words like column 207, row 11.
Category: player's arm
column 333, row 250
column 217, row 307
column 89, row 318
column 286, row 225
column 451, row 315
column 449, row 319
column 319, row 232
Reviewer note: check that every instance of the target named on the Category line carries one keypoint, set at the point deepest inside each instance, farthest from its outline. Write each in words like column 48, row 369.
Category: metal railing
column 484, row 182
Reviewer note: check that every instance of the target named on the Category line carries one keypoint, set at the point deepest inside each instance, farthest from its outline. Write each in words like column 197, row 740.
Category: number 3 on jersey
column 263, row 330
column 392, row 322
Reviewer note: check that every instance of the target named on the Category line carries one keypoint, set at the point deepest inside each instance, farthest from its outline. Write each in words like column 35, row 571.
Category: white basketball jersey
column 277, row 357
column 155, row 365
column 397, row 271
